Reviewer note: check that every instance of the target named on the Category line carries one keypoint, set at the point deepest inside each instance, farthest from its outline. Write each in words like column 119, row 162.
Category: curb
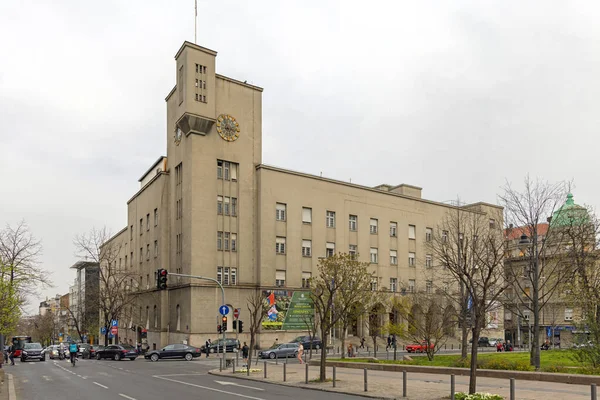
column 11, row 388
column 320, row 389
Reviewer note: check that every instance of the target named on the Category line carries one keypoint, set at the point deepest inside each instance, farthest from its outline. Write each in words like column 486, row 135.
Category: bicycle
column 73, row 359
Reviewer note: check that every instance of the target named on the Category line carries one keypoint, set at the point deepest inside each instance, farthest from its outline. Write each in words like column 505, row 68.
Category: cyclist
column 73, row 349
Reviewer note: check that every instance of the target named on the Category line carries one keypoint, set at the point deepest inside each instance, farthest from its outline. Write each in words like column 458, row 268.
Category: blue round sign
column 224, row 310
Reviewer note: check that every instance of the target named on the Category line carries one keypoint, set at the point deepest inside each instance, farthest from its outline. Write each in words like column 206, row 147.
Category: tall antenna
column 195, row 19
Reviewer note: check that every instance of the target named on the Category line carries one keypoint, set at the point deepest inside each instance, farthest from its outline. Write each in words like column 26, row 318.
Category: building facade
column 210, row 207
column 83, row 300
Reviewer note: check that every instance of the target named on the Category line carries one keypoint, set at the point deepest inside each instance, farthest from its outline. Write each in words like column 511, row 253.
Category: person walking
column 300, row 352
column 11, row 355
column 245, row 351
column 206, row 347
column 350, row 350
column 389, row 342
column 362, row 343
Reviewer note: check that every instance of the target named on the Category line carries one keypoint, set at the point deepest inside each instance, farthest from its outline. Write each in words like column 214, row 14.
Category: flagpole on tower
column 195, row 18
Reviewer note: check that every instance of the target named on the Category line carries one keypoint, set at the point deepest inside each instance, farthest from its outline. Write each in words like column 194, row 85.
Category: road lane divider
column 208, row 388
column 125, row 396
column 99, row 384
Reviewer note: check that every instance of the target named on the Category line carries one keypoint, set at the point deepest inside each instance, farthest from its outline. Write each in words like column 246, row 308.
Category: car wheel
column 154, row 357
column 212, row 350
column 117, row 357
column 189, row 357
column 272, row 356
column 98, row 357
column 132, row 358
column 22, row 360
column 317, row 346
column 43, row 359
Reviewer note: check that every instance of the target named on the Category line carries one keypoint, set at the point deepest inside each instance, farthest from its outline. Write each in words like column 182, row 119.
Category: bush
column 495, row 363
column 554, row 368
column 462, row 363
column 477, row 396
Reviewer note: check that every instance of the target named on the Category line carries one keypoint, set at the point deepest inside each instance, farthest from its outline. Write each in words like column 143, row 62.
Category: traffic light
column 234, row 325
column 224, row 324
column 240, row 326
column 219, row 328
column 161, row 279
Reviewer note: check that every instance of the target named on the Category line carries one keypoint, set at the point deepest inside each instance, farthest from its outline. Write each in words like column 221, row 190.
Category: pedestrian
column 389, row 342
column 362, row 343
column 300, row 352
column 11, row 354
column 206, row 347
column 245, row 352
column 499, row 346
column 350, row 350
column 276, row 343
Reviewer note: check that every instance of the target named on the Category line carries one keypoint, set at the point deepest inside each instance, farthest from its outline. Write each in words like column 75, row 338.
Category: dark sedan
column 173, row 351
column 307, row 342
column 32, row 351
column 117, row 352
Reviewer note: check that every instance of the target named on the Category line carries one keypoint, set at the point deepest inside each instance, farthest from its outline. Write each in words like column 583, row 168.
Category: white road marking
column 238, row 385
column 47, row 378
column 183, row 375
column 209, row 388
column 102, row 386
column 127, row 397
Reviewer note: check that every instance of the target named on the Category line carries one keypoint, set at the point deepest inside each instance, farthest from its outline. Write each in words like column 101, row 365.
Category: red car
column 419, row 348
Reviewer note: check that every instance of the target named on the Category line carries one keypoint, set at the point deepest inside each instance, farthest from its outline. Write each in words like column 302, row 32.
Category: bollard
column 220, row 364
column 265, row 370
column 248, row 368
column 452, row 387
column 276, row 359
column 512, row 389
column 404, row 384
column 594, row 395
column 452, row 346
column 334, row 376
column 284, row 365
column 306, row 373
column 286, row 359
column 387, row 355
column 233, row 364
column 365, row 379
column 403, row 347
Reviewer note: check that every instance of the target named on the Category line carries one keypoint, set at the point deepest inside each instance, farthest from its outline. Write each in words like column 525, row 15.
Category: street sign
column 114, row 330
column 224, row 310
column 103, row 330
column 59, row 334
column 114, row 322
column 236, row 313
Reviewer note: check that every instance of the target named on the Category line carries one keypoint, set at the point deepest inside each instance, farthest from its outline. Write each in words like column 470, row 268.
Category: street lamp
column 531, row 246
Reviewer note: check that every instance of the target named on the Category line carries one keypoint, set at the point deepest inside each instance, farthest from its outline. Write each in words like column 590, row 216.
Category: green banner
column 300, row 310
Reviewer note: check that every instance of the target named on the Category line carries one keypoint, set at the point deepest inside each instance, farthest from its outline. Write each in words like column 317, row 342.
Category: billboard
column 287, row 310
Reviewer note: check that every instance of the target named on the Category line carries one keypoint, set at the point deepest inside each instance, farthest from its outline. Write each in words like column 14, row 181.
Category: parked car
column 117, row 352
column 32, row 351
column 51, row 351
column 85, row 351
column 95, row 348
column 230, row 344
column 482, row 342
column 280, row 351
column 174, row 351
column 419, row 347
column 307, row 342
column 494, row 341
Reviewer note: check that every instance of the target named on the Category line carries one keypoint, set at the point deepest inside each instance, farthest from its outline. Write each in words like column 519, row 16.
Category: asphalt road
column 143, row 380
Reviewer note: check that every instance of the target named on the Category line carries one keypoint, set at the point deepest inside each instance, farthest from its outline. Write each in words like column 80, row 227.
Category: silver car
column 280, row 351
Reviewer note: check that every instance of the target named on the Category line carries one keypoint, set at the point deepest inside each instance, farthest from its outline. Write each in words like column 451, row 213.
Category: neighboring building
column 210, row 207
column 84, row 299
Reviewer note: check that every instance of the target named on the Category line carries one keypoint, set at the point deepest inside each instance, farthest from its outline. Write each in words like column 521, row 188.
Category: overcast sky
column 456, row 98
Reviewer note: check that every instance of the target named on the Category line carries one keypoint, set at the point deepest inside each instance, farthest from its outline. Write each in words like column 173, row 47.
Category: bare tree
column 338, row 276
column 534, row 285
column 118, row 288
column 257, row 309
column 469, row 247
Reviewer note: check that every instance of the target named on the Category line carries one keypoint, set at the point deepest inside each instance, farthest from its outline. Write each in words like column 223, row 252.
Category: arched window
column 147, row 317
column 155, row 317
column 178, row 318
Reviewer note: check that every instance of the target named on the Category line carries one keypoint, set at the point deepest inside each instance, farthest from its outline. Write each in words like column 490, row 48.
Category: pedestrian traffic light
column 234, row 325
column 240, row 326
column 224, row 324
column 219, row 328
column 161, row 279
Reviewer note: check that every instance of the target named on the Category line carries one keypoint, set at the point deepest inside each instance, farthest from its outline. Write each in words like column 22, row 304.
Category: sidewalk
column 388, row 385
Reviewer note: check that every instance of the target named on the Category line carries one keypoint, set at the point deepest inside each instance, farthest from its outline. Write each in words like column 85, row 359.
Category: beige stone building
column 210, row 207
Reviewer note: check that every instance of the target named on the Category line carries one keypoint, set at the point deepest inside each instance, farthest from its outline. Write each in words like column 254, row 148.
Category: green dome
column 569, row 214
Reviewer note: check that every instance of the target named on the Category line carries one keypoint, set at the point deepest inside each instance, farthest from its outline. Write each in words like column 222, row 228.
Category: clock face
column 178, row 135
column 228, row 128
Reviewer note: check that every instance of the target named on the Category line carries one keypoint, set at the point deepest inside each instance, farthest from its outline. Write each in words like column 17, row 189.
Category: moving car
column 85, row 351
column 174, row 351
column 307, row 342
column 32, row 351
column 419, row 347
column 117, row 352
column 52, row 351
column 280, row 351
column 230, row 344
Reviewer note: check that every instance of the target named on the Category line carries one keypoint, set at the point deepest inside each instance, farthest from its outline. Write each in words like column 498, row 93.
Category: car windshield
column 32, row 346
column 128, row 347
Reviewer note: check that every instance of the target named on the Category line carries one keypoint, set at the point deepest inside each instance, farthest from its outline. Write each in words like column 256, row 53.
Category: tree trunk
column 323, row 370
column 252, row 339
column 535, row 341
column 465, row 340
column 344, row 327
column 374, row 346
column 473, row 370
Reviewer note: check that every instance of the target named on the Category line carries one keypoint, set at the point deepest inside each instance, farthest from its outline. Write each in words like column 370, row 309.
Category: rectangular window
column 220, row 275
column 352, row 251
column 155, row 248
column 373, row 226
column 179, row 174
column 226, row 170
column 507, row 315
column 156, row 217
column 429, row 287
column 233, row 242
column 393, row 257
column 126, row 264
column 526, row 315
column 306, row 280
column 226, row 276
column 330, row 219
column 233, row 276
column 280, row 211
column 280, row 278
column 141, row 254
column 411, row 259
column 226, row 241
column 428, row 260
column 280, row 245
column 148, row 222
column 393, row 284
column 131, row 259
column 428, row 234
column 329, row 249
column 306, row 215
column 219, row 169
column 219, row 205
column 411, row 285
column 353, row 221
column 306, row 248
column 131, row 232
column 412, row 232
column 148, row 252
column 233, row 206
column 180, row 84
column 219, row 240
column 492, row 223
column 568, row 314
column 444, row 236
column 374, row 255
column 393, row 229
column 141, row 226
column 527, row 291
column 226, row 201
column 373, row 284
column 234, row 171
